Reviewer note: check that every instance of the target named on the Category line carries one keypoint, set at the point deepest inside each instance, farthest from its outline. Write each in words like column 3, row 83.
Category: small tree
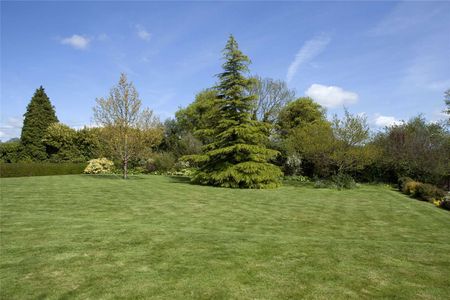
column 39, row 116
column 127, row 129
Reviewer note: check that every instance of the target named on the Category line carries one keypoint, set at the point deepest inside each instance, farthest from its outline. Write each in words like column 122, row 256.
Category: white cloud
column 10, row 128
column 76, row 41
column 142, row 33
column 383, row 121
column 308, row 51
column 331, row 96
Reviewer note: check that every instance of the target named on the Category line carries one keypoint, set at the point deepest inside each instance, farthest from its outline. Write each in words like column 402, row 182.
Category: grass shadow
column 115, row 177
column 180, row 179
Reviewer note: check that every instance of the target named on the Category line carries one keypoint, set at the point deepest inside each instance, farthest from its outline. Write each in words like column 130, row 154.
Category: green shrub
column 99, row 166
column 343, row 181
column 40, row 169
column 161, row 163
column 428, row 192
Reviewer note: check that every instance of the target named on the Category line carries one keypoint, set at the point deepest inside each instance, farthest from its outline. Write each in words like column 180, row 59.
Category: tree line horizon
column 244, row 132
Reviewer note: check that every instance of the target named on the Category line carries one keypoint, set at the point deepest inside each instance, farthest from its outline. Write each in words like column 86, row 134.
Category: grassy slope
column 99, row 237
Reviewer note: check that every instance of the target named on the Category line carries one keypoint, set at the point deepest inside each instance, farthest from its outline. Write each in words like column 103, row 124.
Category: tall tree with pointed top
column 39, row 116
column 237, row 156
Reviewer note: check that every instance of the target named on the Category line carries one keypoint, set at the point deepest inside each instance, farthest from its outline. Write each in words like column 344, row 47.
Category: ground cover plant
column 100, row 237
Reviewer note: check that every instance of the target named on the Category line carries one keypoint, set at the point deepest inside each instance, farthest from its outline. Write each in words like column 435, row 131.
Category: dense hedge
column 40, row 169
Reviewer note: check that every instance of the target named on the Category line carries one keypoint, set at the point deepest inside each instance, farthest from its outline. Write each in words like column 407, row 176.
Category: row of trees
column 243, row 132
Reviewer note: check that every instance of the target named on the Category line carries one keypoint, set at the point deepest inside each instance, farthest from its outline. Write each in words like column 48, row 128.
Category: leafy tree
column 128, row 131
column 416, row 149
column 352, row 151
column 271, row 96
column 299, row 113
column 39, row 116
column 236, row 157
column 61, row 144
column 198, row 118
column 314, row 143
column 340, row 147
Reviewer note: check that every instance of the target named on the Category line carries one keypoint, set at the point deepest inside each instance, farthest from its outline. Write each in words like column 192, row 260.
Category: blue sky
column 389, row 60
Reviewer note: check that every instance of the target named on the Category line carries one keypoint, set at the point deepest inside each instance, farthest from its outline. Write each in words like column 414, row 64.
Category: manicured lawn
column 91, row 237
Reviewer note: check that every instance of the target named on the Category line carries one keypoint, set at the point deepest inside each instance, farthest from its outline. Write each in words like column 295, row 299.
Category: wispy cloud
column 331, row 96
column 406, row 16
column 307, row 52
column 142, row 33
column 386, row 121
column 76, row 41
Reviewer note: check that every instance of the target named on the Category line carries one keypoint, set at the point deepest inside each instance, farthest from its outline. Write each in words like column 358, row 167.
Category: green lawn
column 91, row 237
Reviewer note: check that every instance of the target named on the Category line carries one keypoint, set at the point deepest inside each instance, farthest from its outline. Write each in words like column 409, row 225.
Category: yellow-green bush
column 410, row 187
column 99, row 166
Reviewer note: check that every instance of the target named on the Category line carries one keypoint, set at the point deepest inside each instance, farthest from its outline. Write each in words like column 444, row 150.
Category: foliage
column 236, row 156
column 128, row 131
column 271, row 96
column 39, row 116
column 402, row 181
column 22, row 169
column 428, row 192
column 445, row 204
column 160, row 163
column 410, row 188
column 61, row 144
column 10, row 151
column 178, row 140
column 338, row 181
column 99, row 166
column 298, row 114
column 313, row 142
column 415, row 149
column 198, row 118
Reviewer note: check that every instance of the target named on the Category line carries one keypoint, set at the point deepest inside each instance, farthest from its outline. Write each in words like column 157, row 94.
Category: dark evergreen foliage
column 236, row 157
column 39, row 116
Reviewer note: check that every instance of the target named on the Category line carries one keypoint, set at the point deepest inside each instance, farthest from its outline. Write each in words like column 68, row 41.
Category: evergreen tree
column 39, row 116
column 236, row 157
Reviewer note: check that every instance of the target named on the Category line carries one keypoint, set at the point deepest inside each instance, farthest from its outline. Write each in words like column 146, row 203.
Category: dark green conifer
column 237, row 156
column 39, row 116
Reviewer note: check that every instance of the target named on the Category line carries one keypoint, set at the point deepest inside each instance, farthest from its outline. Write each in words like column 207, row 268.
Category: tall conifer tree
column 237, row 156
column 39, row 116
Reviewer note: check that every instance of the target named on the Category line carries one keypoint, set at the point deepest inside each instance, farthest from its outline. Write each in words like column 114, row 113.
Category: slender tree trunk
column 125, row 161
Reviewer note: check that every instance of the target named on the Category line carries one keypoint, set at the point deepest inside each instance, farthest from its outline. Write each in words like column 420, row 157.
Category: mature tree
column 61, row 143
column 416, row 149
column 314, row 144
column 127, row 129
column 340, row 147
column 352, row 150
column 39, row 116
column 271, row 96
column 178, row 140
column 198, row 118
column 236, row 157
column 299, row 113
